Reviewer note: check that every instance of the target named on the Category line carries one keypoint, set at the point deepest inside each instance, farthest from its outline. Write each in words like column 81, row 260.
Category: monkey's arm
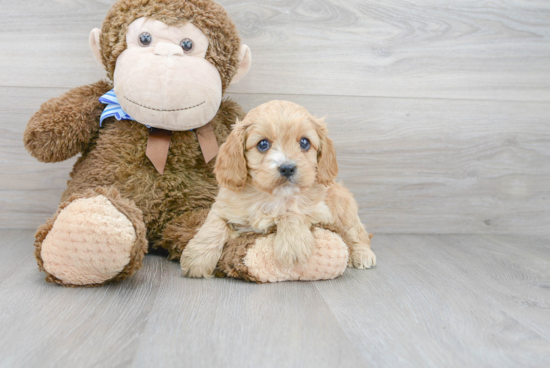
column 64, row 125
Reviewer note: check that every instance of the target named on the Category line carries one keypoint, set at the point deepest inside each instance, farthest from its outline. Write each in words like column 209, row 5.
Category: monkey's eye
column 145, row 39
column 304, row 144
column 187, row 45
column 263, row 145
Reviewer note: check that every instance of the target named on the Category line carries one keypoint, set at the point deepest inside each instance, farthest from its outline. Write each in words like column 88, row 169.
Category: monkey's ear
column 94, row 45
column 244, row 66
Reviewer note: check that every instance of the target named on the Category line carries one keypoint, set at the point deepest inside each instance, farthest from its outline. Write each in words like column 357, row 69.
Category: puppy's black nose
column 287, row 170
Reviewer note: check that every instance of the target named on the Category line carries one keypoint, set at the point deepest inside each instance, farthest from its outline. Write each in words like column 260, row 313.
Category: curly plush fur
column 115, row 156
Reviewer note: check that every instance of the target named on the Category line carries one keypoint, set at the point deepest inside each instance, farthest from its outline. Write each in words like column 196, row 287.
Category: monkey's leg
column 251, row 257
column 181, row 230
column 95, row 237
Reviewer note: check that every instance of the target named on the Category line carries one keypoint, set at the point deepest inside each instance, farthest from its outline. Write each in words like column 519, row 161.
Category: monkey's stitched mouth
column 152, row 108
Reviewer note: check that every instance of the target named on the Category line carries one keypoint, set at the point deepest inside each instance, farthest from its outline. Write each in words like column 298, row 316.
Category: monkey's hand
column 64, row 125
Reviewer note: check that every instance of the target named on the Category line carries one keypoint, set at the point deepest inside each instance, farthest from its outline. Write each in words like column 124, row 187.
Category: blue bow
column 113, row 108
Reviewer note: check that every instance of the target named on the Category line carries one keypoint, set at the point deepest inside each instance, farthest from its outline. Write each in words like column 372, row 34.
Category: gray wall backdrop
column 439, row 109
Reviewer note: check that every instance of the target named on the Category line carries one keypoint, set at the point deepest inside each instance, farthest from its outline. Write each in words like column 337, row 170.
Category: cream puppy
column 278, row 168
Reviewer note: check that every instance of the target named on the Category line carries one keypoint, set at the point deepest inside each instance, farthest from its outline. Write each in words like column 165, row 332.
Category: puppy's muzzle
column 287, row 170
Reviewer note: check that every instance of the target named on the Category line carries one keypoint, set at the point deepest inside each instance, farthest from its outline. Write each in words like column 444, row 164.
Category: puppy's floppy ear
column 327, row 166
column 230, row 169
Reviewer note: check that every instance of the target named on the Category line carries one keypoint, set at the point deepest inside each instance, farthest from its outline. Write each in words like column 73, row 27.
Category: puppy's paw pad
column 197, row 272
column 362, row 259
column 197, row 266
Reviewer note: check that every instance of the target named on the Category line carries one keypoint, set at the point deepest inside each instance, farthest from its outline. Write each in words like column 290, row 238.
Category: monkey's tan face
column 163, row 79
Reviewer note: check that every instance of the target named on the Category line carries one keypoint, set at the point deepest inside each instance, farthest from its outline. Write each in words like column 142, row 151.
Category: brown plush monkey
column 147, row 137
column 170, row 62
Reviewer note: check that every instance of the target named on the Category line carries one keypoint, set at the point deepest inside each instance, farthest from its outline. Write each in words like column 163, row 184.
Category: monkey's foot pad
column 328, row 260
column 89, row 243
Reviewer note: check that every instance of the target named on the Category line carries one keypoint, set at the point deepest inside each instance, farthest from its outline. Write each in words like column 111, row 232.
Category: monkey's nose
column 168, row 49
column 287, row 170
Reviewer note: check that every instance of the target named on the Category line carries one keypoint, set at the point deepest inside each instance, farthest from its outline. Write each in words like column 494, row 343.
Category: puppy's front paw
column 364, row 258
column 292, row 248
column 197, row 265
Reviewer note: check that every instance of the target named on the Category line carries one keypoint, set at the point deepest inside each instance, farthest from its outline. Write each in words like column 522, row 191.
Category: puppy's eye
column 263, row 145
column 304, row 144
column 145, row 39
column 187, row 45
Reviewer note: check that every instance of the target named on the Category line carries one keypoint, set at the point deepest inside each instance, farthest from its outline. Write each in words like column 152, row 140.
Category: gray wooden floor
column 433, row 301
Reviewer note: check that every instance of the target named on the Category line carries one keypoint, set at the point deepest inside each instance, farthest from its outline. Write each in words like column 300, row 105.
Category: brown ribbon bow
column 158, row 145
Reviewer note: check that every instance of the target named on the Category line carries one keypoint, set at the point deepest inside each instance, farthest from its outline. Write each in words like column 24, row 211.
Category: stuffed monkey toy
column 147, row 137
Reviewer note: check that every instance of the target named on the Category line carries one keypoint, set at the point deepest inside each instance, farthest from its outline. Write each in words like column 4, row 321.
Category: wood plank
column 231, row 323
column 439, row 49
column 510, row 276
column 14, row 251
column 451, row 301
column 414, row 165
column 432, row 301
column 534, row 245
column 50, row 326
column 27, row 209
column 199, row 322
